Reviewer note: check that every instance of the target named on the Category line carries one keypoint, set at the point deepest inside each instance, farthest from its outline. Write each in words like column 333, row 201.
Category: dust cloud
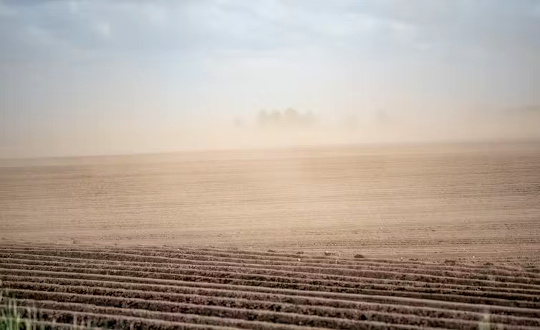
column 287, row 128
column 381, row 128
column 290, row 128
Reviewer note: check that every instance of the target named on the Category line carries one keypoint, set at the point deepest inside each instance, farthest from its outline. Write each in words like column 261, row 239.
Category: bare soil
column 456, row 202
column 162, row 288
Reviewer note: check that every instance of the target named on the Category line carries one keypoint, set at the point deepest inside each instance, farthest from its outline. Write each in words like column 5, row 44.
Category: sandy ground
column 455, row 201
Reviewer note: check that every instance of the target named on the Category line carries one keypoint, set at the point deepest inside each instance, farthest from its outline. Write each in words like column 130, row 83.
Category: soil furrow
column 296, row 300
column 242, row 285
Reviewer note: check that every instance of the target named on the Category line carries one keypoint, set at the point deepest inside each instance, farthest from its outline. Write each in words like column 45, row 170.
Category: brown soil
column 444, row 236
column 189, row 288
column 476, row 203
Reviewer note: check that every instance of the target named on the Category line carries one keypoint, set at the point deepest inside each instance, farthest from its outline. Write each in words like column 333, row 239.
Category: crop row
column 251, row 300
column 165, row 288
column 287, row 314
column 404, row 287
column 455, row 270
column 299, row 291
column 302, row 272
column 364, row 273
column 391, row 275
column 202, row 275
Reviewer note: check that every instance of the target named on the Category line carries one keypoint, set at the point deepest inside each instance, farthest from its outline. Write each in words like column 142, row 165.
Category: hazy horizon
column 270, row 164
column 100, row 77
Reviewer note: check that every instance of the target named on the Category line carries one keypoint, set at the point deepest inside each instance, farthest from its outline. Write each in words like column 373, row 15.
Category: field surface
column 432, row 236
column 474, row 202
column 212, row 288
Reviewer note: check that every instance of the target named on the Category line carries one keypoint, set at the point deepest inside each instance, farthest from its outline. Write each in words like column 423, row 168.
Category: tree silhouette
column 292, row 117
column 263, row 118
column 289, row 118
column 275, row 117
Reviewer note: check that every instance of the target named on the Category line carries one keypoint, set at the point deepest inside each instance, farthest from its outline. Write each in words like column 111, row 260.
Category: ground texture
column 469, row 202
column 442, row 236
column 175, row 287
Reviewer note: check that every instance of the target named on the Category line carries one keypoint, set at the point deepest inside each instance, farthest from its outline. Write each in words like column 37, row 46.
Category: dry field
column 445, row 236
column 164, row 287
column 474, row 202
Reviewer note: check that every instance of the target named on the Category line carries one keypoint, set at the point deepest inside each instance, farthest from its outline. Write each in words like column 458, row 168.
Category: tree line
column 288, row 118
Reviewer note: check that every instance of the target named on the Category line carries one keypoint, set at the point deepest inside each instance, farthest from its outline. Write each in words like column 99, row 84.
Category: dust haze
column 377, row 127
column 270, row 164
column 281, row 130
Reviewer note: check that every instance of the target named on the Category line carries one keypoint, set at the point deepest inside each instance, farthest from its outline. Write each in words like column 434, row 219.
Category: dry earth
column 166, row 288
column 444, row 236
column 430, row 202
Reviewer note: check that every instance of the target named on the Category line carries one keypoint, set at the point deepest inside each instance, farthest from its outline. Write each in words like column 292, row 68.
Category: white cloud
column 103, row 29
column 74, row 7
column 405, row 32
column 156, row 14
column 275, row 37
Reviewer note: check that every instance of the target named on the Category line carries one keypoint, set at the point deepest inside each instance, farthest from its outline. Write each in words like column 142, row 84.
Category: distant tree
column 292, row 117
column 275, row 118
column 263, row 118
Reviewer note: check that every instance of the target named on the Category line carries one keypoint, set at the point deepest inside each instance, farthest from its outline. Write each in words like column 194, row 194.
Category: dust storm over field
column 269, row 164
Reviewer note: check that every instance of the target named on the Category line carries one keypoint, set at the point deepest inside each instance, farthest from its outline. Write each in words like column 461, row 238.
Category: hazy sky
column 75, row 75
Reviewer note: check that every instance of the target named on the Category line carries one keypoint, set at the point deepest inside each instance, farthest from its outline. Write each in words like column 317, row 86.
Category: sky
column 105, row 77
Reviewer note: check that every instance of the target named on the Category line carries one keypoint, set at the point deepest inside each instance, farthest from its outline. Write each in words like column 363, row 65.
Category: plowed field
column 475, row 202
column 222, row 288
column 443, row 236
